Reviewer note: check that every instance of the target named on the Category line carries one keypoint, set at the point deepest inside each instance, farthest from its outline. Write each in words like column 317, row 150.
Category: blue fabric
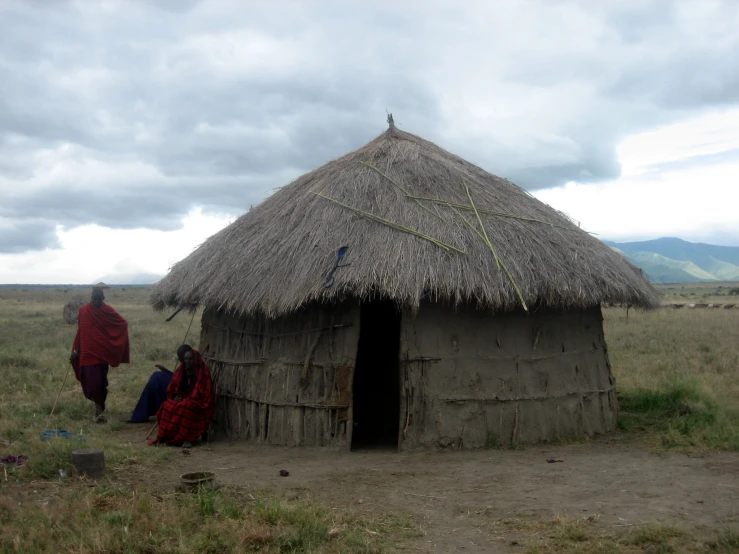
column 53, row 433
column 152, row 397
column 331, row 280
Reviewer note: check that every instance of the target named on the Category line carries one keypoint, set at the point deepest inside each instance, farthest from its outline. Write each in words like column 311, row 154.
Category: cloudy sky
column 131, row 131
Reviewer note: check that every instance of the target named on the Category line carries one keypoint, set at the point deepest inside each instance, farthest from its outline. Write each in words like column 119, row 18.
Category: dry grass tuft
column 588, row 535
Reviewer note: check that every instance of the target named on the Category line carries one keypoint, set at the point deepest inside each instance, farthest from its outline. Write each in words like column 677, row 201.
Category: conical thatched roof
column 278, row 256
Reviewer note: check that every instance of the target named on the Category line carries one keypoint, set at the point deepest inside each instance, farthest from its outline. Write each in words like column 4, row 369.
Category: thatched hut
column 71, row 310
column 463, row 310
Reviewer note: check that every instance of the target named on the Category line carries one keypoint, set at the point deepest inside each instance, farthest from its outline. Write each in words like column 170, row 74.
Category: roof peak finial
column 391, row 122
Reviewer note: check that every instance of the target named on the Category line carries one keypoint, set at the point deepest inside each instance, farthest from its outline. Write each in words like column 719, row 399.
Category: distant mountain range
column 672, row 260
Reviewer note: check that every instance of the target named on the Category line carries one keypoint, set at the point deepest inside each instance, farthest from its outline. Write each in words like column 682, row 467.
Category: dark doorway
column 377, row 377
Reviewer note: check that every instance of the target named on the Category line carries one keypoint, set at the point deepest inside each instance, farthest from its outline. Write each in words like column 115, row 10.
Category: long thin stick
column 170, row 318
column 378, row 170
column 490, row 245
column 402, row 188
column 64, row 381
column 482, row 226
column 479, row 234
column 188, row 328
column 488, row 212
column 389, row 223
column 152, row 430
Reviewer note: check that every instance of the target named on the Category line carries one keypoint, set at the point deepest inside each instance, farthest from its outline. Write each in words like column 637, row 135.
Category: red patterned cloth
column 189, row 418
column 102, row 338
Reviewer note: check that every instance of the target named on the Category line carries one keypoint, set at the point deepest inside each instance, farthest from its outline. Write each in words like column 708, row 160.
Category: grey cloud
column 596, row 160
column 146, row 207
column 176, row 6
column 160, row 84
column 695, row 80
column 22, row 236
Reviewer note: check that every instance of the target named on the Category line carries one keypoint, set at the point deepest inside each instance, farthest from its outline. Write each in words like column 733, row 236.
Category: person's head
column 97, row 297
column 188, row 360
column 181, row 351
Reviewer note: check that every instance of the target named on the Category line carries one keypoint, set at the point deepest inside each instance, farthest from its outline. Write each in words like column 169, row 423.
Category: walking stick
column 152, row 430
column 60, row 392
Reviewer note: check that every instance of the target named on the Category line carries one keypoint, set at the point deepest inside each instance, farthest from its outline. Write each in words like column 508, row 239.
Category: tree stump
column 193, row 482
column 89, row 462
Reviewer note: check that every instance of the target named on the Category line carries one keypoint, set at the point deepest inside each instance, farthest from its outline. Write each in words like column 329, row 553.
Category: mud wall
column 471, row 379
column 284, row 381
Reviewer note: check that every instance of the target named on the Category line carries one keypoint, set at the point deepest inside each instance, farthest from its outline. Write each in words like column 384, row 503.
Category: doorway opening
column 376, row 388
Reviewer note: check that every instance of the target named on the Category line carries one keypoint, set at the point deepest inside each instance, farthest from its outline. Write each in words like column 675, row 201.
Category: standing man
column 101, row 341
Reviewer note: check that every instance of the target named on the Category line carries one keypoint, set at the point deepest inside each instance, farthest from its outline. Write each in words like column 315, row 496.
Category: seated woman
column 155, row 391
column 191, row 403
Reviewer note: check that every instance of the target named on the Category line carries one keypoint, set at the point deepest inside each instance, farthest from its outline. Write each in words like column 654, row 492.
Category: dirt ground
column 459, row 498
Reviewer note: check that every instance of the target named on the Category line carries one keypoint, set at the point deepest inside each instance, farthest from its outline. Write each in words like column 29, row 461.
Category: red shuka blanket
column 102, row 337
column 189, row 418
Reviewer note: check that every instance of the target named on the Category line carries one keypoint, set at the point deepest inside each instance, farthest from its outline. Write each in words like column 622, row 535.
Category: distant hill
column 129, row 279
column 673, row 260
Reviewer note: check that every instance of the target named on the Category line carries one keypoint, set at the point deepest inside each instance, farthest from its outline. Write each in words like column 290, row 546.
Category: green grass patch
column 677, row 374
column 727, row 541
column 123, row 520
column 657, row 537
column 49, row 461
column 18, row 361
column 681, row 414
column 492, row 442
column 588, row 536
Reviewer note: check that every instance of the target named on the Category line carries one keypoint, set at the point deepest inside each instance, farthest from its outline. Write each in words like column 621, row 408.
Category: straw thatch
column 71, row 310
column 410, row 215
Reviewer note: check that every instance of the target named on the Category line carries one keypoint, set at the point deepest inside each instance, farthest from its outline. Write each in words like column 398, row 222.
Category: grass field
column 677, row 374
column 706, row 293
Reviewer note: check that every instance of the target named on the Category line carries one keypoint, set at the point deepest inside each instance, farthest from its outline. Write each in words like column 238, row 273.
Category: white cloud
column 242, row 53
column 91, row 251
column 665, row 191
column 711, row 134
